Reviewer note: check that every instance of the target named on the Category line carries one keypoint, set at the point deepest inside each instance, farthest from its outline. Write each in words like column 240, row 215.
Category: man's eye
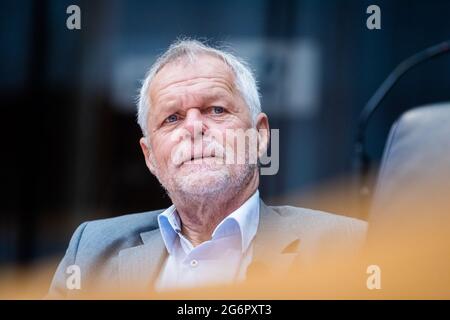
column 218, row 110
column 171, row 118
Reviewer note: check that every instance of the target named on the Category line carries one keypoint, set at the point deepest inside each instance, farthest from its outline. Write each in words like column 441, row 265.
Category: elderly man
column 218, row 229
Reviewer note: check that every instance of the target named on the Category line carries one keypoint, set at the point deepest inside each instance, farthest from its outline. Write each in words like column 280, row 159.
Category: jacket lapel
column 275, row 246
column 139, row 266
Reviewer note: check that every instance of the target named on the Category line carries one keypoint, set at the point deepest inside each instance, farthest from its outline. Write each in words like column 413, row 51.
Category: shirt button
column 194, row 263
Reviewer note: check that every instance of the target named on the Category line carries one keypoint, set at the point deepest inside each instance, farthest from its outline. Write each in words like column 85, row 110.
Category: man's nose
column 194, row 122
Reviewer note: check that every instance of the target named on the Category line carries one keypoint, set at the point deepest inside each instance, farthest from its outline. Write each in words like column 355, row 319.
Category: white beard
column 207, row 180
column 202, row 179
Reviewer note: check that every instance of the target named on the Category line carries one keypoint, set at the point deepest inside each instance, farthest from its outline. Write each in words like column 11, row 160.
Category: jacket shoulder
column 316, row 217
column 95, row 246
column 133, row 221
column 325, row 234
column 125, row 228
column 319, row 227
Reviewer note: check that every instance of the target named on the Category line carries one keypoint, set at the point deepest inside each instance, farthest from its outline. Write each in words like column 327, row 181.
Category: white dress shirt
column 222, row 260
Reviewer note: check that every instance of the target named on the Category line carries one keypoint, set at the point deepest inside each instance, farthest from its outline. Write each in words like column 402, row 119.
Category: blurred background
column 70, row 141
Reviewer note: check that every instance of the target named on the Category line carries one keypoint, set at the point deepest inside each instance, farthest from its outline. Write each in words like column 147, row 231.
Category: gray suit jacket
column 128, row 251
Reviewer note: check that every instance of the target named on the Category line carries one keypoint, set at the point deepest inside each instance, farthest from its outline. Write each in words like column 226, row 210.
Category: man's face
column 193, row 105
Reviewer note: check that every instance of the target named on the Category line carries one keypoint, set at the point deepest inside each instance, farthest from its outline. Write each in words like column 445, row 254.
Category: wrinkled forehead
column 185, row 69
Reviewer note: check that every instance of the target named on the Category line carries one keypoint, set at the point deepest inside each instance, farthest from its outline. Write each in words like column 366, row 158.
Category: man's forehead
column 184, row 70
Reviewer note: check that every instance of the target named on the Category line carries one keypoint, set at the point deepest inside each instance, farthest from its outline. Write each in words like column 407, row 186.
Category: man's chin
column 203, row 182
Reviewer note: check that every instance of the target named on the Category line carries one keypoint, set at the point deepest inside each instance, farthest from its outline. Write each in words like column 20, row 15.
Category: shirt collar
column 170, row 226
column 246, row 218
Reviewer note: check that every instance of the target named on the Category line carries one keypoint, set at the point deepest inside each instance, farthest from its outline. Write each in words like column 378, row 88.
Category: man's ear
column 262, row 125
column 146, row 150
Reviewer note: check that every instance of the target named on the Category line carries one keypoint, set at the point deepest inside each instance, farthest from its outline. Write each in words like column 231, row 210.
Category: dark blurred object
column 409, row 221
column 362, row 160
column 415, row 170
column 35, row 96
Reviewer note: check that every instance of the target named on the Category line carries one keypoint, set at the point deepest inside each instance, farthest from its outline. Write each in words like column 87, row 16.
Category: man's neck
column 200, row 216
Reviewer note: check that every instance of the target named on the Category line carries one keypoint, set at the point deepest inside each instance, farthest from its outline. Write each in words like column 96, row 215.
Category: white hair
column 244, row 79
